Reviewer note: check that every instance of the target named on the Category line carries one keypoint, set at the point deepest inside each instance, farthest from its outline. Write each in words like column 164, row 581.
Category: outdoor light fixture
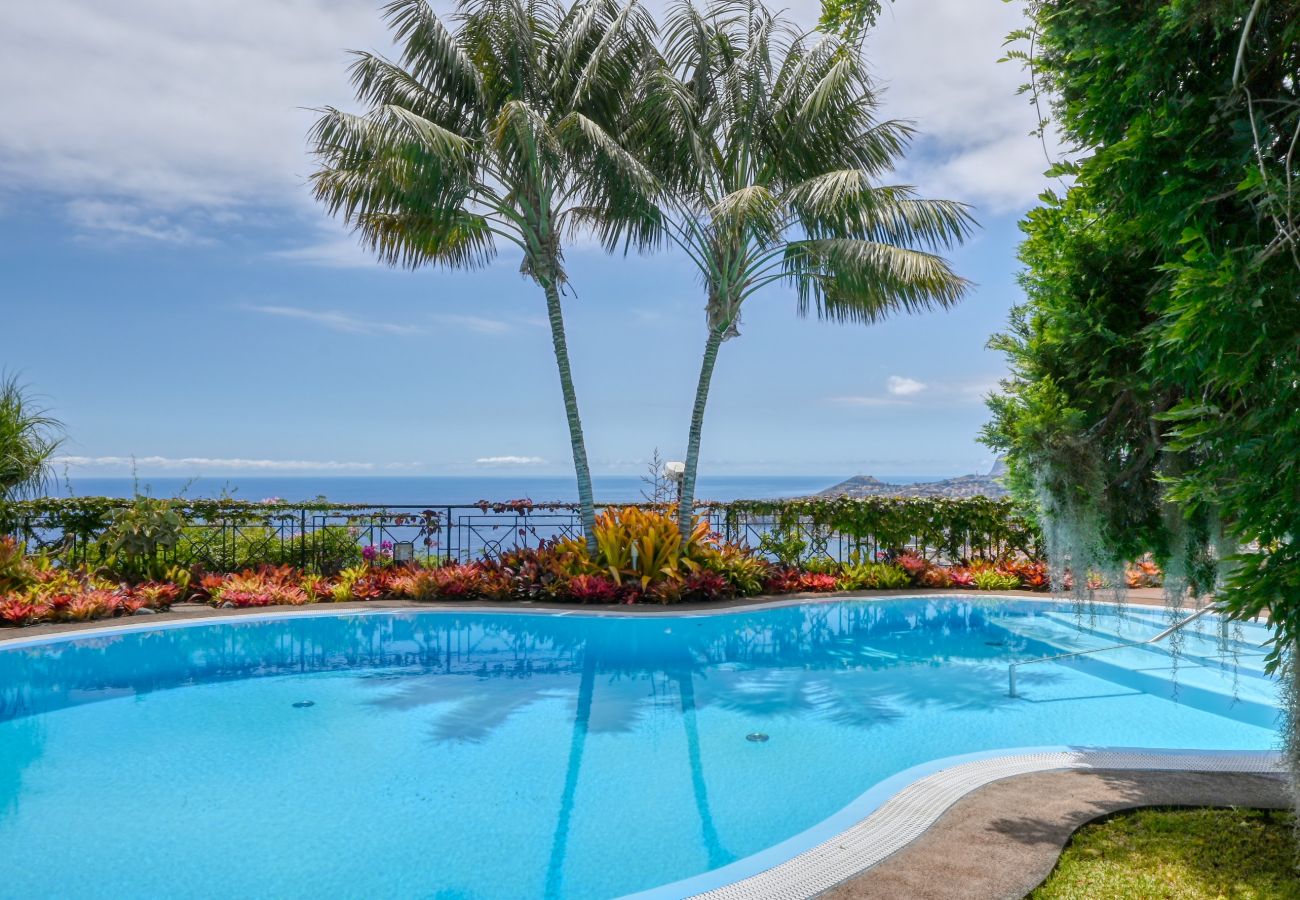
column 403, row 551
column 675, row 471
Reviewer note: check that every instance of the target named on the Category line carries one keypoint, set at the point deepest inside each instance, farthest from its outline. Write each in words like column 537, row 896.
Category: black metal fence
column 225, row 537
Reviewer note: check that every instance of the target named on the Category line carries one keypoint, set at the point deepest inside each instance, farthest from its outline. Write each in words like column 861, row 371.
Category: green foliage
column 850, row 19
column 744, row 572
column 503, row 126
column 1155, row 398
column 328, row 548
column 140, row 536
column 873, row 576
column 774, row 163
column 993, row 580
column 1179, row 854
column 971, row 526
column 784, row 543
column 822, row 565
column 29, row 437
column 15, row 572
column 643, row 546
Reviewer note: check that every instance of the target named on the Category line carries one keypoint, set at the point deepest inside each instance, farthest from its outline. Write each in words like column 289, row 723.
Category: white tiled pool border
column 905, row 806
column 120, row 626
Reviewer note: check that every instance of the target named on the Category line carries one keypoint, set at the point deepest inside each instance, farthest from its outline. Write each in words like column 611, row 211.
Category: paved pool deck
column 1003, row 840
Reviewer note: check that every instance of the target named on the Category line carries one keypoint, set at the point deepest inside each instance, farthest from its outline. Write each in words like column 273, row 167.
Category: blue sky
column 174, row 295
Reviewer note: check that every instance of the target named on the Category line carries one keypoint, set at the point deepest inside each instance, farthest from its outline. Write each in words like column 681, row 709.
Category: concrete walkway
column 1003, row 840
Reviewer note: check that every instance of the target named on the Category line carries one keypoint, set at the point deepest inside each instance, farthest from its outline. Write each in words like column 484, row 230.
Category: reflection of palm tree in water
column 679, row 660
column 717, row 855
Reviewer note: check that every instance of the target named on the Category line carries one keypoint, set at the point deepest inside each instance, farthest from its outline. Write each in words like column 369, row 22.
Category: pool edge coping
column 129, row 626
column 899, row 810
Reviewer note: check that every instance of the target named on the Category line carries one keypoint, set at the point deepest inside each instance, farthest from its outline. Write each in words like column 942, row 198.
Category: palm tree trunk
column 586, row 500
column 686, row 510
column 577, row 742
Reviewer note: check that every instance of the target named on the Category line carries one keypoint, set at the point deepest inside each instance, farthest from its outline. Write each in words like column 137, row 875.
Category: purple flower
column 368, row 552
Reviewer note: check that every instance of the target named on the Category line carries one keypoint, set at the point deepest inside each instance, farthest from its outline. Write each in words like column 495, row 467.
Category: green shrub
column 329, row 549
column 823, row 565
column 786, row 545
column 140, row 537
column 873, row 576
column 993, row 580
column 745, row 572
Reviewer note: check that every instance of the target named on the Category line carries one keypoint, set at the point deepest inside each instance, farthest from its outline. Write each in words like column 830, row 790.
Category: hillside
column 989, row 485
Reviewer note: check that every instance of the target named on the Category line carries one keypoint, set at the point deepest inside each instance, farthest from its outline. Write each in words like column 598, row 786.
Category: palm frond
column 848, row 280
column 29, row 438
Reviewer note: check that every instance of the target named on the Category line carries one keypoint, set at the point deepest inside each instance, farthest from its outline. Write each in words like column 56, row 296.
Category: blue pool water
column 509, row 755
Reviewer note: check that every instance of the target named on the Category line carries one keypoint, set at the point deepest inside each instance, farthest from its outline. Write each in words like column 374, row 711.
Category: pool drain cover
column 303, row 704
column 757, row 737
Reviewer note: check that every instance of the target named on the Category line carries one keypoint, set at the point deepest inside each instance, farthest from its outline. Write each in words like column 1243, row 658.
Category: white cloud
column 168, row 105
column 146, row 116
column 127, row 221
column 863, row 400
column 194, row 463
column 337, row 321
column 333, row 252
column 479, row 324
column 509, row 461
column 903, row 387
column 937, row 60
column 902, row 391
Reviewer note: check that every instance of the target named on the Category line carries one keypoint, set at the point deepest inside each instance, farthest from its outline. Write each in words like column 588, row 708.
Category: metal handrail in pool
column 1011, row 669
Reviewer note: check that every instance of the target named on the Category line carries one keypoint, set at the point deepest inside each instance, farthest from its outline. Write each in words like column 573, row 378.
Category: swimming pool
column 505, row 755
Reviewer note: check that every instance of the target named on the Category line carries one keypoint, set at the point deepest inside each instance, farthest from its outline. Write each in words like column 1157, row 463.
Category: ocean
column 435, row 490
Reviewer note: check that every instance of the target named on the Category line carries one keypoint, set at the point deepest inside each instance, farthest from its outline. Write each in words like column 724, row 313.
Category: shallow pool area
column 478, row 754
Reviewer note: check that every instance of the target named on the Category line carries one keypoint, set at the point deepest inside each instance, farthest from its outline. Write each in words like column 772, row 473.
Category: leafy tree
column 29, row 437
column 505, row 129
column 1156, row 364
column 1155, row 396
column 851, row 19
column 767, row 143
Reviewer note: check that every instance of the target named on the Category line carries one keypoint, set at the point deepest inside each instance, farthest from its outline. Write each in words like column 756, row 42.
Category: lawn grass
column 1180, row 854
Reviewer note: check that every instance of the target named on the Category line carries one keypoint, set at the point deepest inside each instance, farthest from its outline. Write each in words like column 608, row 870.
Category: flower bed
column 641, row 558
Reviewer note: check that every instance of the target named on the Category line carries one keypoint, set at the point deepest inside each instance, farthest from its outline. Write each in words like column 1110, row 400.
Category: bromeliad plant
column 645, row 546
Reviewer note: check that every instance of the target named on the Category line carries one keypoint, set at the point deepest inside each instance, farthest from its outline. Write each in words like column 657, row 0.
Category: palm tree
column 29, row 437
column 503, row 129
column 768, row 147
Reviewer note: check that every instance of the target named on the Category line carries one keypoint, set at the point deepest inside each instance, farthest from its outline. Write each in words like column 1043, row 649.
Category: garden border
column 202, row 613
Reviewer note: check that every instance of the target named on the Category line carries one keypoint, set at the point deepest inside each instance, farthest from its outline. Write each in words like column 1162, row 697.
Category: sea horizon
column 442, row 490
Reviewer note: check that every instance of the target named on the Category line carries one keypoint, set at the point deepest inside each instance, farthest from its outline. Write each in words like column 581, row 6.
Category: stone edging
column 195, row 614
column 909, row 813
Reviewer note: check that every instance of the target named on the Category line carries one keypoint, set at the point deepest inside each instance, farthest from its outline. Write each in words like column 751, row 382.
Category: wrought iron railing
column 223, row 537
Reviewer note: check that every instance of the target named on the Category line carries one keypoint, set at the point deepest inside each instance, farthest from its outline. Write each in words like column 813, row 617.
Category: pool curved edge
column 900, row 809
column 128, row 625
column 871, row 828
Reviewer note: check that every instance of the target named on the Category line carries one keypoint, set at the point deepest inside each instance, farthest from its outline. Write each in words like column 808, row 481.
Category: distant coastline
column 989, row 485
column 441, row 489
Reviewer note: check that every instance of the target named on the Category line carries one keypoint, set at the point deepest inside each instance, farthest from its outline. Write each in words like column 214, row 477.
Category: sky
column 174, row 295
